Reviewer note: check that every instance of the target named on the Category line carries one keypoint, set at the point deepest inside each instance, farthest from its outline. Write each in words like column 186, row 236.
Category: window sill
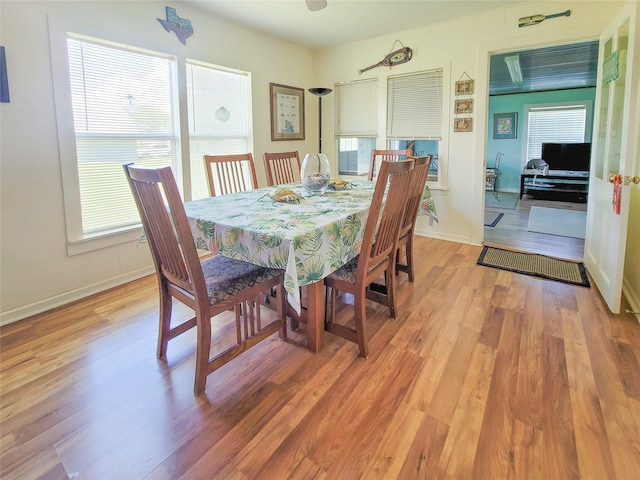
column 103, row 240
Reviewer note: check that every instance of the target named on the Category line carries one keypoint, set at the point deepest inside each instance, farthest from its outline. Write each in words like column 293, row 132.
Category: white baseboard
column 26, row 311
column 423, row 232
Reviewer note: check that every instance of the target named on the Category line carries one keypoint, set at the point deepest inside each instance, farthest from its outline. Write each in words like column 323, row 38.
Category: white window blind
column 122, row 102
column 414, row 105
column 218, row 104
column 357, row 112
column 559, row 124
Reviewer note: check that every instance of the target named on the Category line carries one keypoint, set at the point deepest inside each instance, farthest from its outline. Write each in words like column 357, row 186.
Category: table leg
column 521, row 186
column 315, row 316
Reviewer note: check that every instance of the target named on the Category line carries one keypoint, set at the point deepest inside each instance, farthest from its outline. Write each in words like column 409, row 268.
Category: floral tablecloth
column 309, row 240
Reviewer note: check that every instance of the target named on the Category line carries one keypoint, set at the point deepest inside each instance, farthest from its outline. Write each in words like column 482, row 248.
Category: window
column 117, row 104
column 415, row 115
column 123, row 112
column 218, row 118
column 565, row 123
column 356, row 125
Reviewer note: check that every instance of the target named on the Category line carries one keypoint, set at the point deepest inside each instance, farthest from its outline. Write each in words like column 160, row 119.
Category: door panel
column 605, row 241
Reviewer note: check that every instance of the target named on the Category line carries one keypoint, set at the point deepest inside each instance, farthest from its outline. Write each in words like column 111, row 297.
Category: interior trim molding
column 26, row 311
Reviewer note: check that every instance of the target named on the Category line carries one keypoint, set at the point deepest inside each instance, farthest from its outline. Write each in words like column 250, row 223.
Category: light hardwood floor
column 511, row 231
column 486, row 374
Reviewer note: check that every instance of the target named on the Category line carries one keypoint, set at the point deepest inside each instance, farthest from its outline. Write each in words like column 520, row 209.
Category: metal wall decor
column 180, row 26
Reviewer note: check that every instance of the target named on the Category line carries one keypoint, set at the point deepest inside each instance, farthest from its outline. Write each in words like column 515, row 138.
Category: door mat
column 491, row 219
column 507, row 200
column 558, row 221
column 536, row 265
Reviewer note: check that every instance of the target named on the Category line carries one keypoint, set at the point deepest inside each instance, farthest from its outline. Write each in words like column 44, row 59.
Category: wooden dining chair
column 416, row 191
column 210, row 286
column 377, row 255
column 230, row 173
column 389, row 155
column 282, row 167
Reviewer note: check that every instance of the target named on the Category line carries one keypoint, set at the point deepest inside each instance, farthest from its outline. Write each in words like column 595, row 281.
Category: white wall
column 462, row 46
column 36, row 272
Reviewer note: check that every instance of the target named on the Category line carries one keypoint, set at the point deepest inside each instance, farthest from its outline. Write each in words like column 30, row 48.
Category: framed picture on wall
column 463, row 106
column 287, row 112
column 505, row 125
column 463, row 125
column 464, row 87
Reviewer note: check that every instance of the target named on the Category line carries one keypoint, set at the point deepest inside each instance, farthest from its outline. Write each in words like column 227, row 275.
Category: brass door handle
column 626, row 180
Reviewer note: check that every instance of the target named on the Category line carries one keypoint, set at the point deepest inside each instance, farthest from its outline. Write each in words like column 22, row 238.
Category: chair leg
column 203, row 347
column 408, row 253
column 360, row 313
column 390, row 278
column 282, row 311
column 164, row 326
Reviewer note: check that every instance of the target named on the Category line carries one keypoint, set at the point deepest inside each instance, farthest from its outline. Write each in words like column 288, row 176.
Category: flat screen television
column 567, row 156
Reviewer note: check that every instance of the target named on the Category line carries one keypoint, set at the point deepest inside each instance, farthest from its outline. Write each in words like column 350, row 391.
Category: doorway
column 544, row 78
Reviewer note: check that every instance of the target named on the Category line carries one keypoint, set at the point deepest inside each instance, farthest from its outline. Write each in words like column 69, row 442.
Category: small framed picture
column 464, row 87
column 463, row 106
column 287, row 112
column 463, row 124
column 505, row 125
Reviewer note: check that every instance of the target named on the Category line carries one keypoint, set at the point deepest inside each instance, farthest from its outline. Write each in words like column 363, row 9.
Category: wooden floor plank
column 484, row 374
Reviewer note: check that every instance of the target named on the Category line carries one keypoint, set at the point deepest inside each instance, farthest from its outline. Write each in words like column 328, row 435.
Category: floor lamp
column 320, row 92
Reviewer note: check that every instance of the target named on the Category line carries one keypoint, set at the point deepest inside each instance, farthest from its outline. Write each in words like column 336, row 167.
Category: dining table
column 309, row 237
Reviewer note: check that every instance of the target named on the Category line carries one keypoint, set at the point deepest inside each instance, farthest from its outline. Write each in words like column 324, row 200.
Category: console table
column 555, row 182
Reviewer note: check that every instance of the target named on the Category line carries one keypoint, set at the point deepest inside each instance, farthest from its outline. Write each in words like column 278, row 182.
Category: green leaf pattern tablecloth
column 309, row 240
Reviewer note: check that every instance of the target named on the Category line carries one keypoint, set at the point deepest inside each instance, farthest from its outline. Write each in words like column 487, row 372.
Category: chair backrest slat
column 389, row 155
column 282, row 167
column 230, row 173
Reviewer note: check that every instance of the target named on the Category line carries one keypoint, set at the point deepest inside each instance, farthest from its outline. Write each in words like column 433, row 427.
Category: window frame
column 570, row 105
column 441, row 158
column 77, row 241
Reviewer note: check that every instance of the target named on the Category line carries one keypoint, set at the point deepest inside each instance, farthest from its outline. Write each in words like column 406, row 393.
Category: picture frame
column 463, row 124
column 287, row 112
column 464, row 87
column 463, row 106
column 505, row 125
column 4, row 81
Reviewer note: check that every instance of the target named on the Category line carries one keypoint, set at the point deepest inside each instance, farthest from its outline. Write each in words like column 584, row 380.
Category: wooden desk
column 308, row 240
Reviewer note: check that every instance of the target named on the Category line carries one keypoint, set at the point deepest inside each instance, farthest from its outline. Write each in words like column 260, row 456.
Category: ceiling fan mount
column 315, row 5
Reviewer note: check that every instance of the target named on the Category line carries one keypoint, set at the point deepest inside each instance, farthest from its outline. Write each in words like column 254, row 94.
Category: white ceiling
column 342, row 21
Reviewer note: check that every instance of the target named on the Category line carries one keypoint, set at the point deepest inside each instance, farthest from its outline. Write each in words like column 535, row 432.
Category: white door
column 616, row 115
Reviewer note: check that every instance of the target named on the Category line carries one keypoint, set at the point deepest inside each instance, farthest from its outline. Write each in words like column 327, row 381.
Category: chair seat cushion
column 347, row 272
column 226, row 277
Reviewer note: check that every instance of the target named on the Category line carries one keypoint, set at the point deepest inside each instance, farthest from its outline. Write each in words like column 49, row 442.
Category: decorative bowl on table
column 315, row 173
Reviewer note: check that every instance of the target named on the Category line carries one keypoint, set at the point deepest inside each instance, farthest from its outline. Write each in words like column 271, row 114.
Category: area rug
column 536, row 265
column 491, row 219
column 507, row 200
column 558, row 221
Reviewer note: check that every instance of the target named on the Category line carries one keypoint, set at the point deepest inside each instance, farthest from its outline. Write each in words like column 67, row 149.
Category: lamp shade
column 320, row 92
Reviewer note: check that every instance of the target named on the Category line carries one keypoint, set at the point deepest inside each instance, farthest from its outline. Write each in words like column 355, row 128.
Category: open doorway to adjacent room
column 539, row 98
